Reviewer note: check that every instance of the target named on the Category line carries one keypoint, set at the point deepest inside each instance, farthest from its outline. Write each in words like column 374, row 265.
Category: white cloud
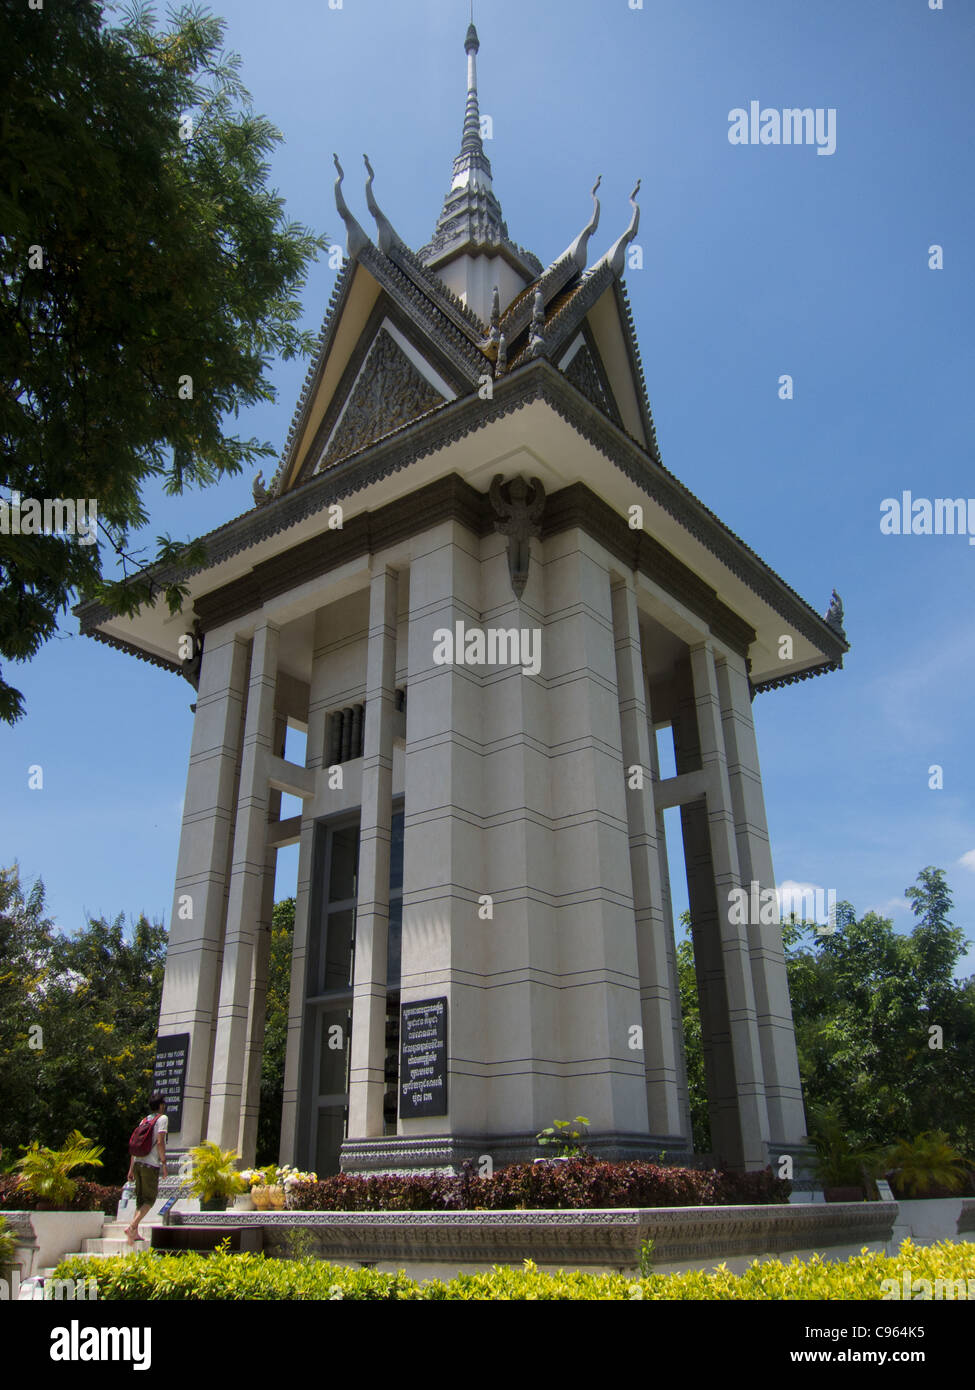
column 808, row 901
column 968, row 860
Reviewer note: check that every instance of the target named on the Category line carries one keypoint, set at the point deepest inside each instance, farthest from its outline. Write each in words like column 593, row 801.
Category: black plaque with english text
column 169, row 1075
column 423, row 1058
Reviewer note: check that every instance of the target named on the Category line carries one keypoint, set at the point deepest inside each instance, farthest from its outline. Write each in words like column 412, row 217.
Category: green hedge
column 149, row 1276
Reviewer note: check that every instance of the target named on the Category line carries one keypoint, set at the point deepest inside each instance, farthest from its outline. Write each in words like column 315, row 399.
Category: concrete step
column 107, row 1245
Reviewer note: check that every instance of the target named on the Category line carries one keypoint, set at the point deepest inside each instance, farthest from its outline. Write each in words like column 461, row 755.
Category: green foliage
column 578, row 1183
column 214, row 1172
column 566, row 1135
column 693, row 1043
column 839, row 1163
column 868, row 1004
column 865, row 1001
column 166, row 259
column 46, row 1173
column 275, row 1032
column 927, row 1162
column 646, row 1258
column 78, row 1018
column 7, row 1245
column 193, row 1277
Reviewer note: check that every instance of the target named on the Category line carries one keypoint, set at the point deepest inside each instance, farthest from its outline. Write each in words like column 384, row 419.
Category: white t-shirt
column 160, row 1127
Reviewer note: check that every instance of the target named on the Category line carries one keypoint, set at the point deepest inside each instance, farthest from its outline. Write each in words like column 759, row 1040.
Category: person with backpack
column 147, row 1148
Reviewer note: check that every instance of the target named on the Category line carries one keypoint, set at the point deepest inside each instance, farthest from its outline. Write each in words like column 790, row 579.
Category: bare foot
column 131, row 1236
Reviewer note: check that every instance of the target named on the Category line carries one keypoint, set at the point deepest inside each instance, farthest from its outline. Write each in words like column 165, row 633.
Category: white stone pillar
column 657, row 1001
column 190, row 986
column 290, row 1128
column 686, row 1128
column 368, row 1043
column 746, row 1058
column 443, row 840
column 594, row 944
column 257, row 1005
column 247, row 903
column 780, row 1061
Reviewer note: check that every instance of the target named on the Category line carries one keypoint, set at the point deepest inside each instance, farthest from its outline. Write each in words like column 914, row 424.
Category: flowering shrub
column 358, row 1192
column 271, row 1175
column 581, row 1183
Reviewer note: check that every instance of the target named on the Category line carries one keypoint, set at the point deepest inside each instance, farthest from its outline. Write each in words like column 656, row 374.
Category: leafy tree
column 148, row 276
column 870, row 1006
column 275, row 1032
column 94, row 998
column 693, row 1044
column 26, row 943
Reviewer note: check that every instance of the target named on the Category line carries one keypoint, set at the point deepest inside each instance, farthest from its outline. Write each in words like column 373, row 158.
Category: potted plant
column 44, row 1177
column 215, row 1176
column 46, row 1173
column 565, row 1137
column 8, row 1245
column 927, row 1166
column 846, row 1171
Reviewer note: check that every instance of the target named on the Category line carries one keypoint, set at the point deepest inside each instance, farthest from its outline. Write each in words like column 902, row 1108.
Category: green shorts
column 146, row 1184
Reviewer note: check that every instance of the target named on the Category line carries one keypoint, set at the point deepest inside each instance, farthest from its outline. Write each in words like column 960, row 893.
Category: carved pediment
column 390, row 392
column 585, row 377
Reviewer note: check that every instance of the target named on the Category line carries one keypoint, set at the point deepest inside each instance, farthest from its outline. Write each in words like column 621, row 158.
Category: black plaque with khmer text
column 423, row 1058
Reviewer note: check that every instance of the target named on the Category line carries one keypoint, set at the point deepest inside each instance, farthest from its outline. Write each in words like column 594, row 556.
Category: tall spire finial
column 471, row 222
column 471, row 141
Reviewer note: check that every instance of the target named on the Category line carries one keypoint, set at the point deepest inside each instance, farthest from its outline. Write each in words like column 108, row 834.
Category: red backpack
column 140, row 1141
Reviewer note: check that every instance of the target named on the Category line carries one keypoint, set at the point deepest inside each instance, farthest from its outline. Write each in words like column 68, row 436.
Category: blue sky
column 758, row 261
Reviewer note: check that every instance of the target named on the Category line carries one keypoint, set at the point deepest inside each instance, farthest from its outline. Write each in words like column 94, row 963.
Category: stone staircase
column 112, row 1241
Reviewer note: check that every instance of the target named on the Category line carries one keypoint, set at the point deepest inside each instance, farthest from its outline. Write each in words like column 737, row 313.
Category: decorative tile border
column 578, row 1238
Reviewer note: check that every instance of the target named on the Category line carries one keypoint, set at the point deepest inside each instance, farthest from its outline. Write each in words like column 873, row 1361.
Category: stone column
column 780, row 1062
column 740, row 1131
column 658, row 1003
column 196, row 927
column 257, row 1006
column 247, row 903
column 442, row 864
column 368, row 1043
column 594, row 944
column 667, row 908
column 291, row 1129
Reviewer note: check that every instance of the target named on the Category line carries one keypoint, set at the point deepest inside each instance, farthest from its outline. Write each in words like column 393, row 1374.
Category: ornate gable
column 389, row 391
column 584, row 370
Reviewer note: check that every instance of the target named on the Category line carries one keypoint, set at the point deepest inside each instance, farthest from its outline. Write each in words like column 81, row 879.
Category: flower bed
column 576, row 1185
column 90, row 1196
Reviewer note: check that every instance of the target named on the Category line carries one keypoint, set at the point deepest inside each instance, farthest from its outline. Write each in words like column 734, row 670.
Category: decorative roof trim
column 131, row 649
column 536, row 381
column 337, row 300
column 440, row 294
column 562, row 325
column 778, row 682
column 636, row 367
column 469, row 360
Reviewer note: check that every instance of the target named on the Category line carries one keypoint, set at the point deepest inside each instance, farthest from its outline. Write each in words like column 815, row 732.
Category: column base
column 448, row 1152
